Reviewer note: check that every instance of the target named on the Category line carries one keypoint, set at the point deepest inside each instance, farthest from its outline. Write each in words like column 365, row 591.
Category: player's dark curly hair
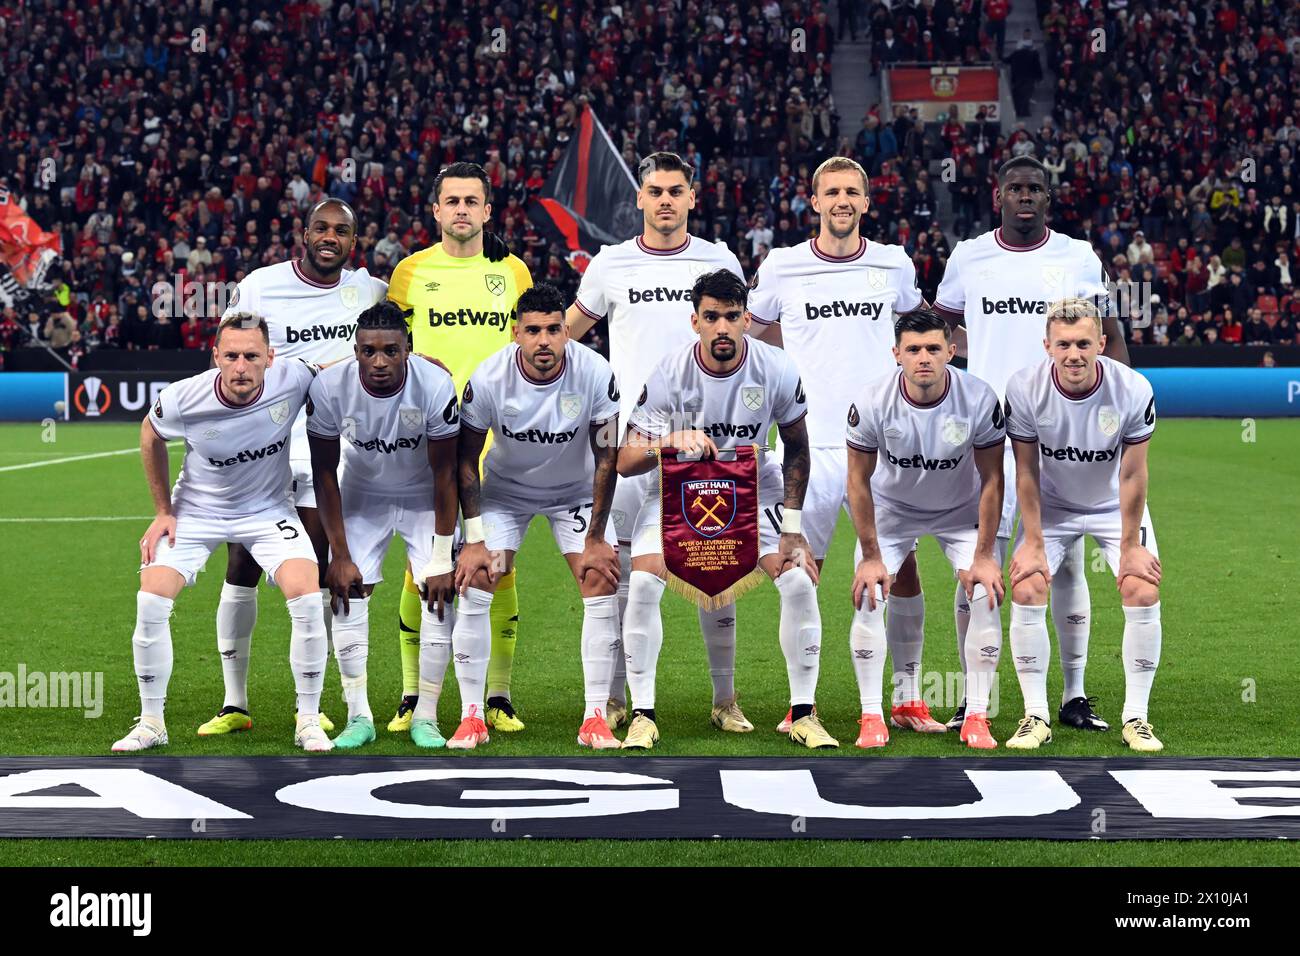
column 1022, row 162
column 664, row 162
column 920, row 320
column 543, row 298
column 462, row 170
column 383, row 316
column 723, row 285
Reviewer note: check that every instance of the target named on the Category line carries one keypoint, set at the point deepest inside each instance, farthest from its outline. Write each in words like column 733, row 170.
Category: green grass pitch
column 1224, row 520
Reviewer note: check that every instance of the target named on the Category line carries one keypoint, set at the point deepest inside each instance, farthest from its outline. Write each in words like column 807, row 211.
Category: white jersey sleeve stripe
column 586, row 311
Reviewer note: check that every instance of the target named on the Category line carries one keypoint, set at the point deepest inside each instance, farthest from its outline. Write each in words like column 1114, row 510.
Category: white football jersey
column 307, row 320
column 646, row 293
column 541, row 430
column 1003, row 291
column 733, row 409
column 837, row 321
column 925, row 461
column 1080, row 437
column 385, row 437
column 236, row 456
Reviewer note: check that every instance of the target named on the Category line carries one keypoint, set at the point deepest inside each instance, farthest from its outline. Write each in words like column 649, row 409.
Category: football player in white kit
column 397, row 421
column 552, row 410
column 995, row 291
column 729, row 387
column 643, row 287
column 1080, row 423
column 236, row 421
column 925, row 457
column 831, row 302
column 311, row 307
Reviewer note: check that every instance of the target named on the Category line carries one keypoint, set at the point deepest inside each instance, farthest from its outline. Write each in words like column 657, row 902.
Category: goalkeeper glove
column 494, row 247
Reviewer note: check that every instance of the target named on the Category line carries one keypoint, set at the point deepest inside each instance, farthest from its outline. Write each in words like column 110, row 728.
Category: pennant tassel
column 711, row 602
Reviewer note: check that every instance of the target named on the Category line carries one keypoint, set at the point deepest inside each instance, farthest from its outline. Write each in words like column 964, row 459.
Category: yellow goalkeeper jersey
column 463, row 308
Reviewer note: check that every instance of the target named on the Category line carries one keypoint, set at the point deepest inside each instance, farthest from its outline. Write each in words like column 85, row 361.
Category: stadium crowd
column 183, row 144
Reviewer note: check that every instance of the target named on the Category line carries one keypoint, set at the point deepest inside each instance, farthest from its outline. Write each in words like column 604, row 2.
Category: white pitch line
column 61, row 461
column 88, row 518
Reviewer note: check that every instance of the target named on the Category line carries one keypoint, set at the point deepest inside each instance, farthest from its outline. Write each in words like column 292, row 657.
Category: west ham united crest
column 349, row 296
column 496, row 284
column 876, row 279
column 1108, row 420
column 709, row 506
column 571, row 404
column 411, row 417
column 279, row 412
column 955, row 430
column 752, row 396
column 1053, row 276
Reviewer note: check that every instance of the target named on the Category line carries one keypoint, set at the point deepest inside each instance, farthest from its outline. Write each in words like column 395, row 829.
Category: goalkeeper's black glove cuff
column 494, row 247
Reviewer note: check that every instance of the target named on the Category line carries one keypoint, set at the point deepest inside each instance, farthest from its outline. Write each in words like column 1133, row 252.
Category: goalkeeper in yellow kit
column 461, row 293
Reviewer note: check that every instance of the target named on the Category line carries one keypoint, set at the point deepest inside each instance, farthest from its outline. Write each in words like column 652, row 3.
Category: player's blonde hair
column 243, row 320
column 1071, row 311
column 840, row 164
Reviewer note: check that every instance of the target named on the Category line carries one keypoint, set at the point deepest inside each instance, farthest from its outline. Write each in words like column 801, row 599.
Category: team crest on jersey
column 955, row 431
column 496, row 284
column 1108, row 420
column 876, row 279
column 709, row 505
column 571, row 404
column 279, row 412
column 752, row 396
column 1054, row 276
column 411, row 417
column 349, row 296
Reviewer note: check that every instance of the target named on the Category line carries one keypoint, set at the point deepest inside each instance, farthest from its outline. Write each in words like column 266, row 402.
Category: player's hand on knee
column 341, row 577
column 871, row 574
column 1137, row 561
column 1029, row 559
column 439, row 592
column 163, row 526
column 475, row 559
column 984, row 570
column 599, row 558
column 796, row 553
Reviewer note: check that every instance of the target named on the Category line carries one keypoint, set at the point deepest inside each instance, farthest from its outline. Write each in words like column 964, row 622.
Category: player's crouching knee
column 795, row 582
column 1137, row 592
column 296, row 577
column 1031, row 591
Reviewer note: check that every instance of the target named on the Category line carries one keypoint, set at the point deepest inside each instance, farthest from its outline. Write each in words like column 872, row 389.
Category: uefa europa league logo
column 92, row 386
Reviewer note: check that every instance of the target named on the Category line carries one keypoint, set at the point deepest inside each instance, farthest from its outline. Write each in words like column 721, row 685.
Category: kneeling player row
column 397, row 422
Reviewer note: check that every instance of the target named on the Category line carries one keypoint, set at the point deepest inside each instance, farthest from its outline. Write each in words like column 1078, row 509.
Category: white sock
column 961, row 618
column 1032, row 651
column 983, row 650
column 600, row 647
column 328, row 612
column 151, row 645
column 905, row 634
column 308, row 652
column 867, row 644
column 236, row 618
column 352, row 648
column 1141, row 653
column 801, row 634
column 1071, row 613
column 719, row 630
column 618, row 683
column 643, row 636
column 471, row 640
column 435, row 652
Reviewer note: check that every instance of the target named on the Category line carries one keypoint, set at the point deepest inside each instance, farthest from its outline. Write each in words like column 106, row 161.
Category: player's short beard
column 719, row 345
column 852, row 229
column 475, row 232
column 324, row 270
